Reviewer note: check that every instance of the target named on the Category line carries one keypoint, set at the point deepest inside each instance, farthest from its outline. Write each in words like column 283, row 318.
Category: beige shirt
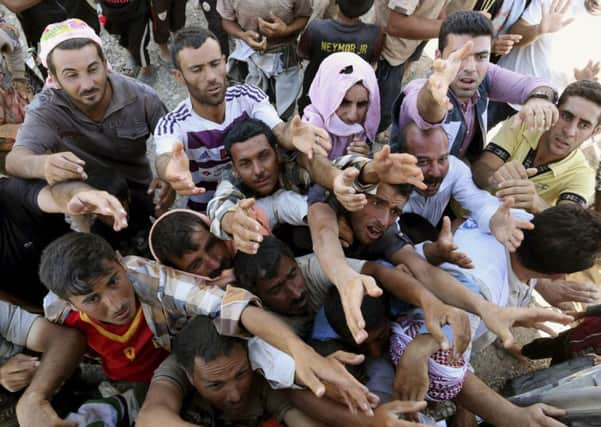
column 397, row 50
column 246, row 12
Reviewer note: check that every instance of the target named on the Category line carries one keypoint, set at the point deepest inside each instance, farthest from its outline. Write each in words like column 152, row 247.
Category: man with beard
column 446, row 176
column 457, row 92
column 189, row 139
column 89, row 118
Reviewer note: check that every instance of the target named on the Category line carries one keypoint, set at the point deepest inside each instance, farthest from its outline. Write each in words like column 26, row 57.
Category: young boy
column 344, row 33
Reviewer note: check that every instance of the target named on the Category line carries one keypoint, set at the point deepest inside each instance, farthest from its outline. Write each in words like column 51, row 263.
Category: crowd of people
column 348, row 242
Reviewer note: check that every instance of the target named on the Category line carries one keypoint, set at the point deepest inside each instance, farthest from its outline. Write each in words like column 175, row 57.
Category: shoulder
column 245, row 92
column 180, row 114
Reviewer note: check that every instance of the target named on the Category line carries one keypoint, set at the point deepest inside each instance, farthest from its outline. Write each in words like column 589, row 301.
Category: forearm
column 296, row 26
column 161, row 165
column 23, row 163
column 232, row 28
column 278, row 334
column 320, row 168
column 398, row 283
column 326, row 411
column 412, row 27
column 481, row 174
column 431, row 253
column 429, row 109
column 529, row 33
column 480, row 399
column 162, row 406
column 54, row 199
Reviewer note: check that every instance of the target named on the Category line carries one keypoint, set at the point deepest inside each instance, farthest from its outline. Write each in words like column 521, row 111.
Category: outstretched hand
column 506, row 228
column 100, row 203
column 178, row 175
column 345, row 193
column 444, row 72
column 308, row 138
column 398, row 168
column 447, row 250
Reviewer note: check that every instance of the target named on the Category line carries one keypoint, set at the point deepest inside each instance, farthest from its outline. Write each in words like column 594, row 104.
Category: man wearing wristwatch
column 456, row 94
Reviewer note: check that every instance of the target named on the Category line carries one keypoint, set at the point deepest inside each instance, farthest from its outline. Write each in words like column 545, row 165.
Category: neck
column 96, row 113
column 519, row 270
column 543, row 155
column 214, row 113
column 346, row 20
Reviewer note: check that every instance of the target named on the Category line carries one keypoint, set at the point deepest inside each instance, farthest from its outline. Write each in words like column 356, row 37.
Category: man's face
column 225, row 382
column 578, row 121
column 210, row 259
column 377, row 340
column 432, row 152
column 381, row 211
column 113, row 299
column 203, row 72
column 285, row 293
column 354, row 105
column 473, row 68
column 256, row 164
column 82, row 75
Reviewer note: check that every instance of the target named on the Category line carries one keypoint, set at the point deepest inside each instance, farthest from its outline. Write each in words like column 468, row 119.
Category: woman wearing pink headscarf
column 345, row 101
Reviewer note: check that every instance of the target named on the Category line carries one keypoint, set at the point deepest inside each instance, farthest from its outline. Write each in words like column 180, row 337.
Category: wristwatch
column 547, row 93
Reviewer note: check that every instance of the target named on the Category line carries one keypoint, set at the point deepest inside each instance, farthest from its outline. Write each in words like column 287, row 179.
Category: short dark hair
column 109, row 180
column 69, row 262
column 464, row 22
column 401, row 146
column 173, row 236
column 354, row 8
column 72, row 44
column 245, row 130
column 404, row 190
column 192, row 37
column 565, row 239
column 374, row 311
column 587, row 89
column 200, row 338
column 262, row 265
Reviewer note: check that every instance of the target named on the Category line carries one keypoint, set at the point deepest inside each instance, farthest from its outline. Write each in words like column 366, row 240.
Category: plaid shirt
column 292, row 177
column 170, row 297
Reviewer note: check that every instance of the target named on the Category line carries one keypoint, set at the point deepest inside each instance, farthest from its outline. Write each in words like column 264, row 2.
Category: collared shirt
column 570, row 178
column 458, row 183
column 53, row 124
column 170, row 297
column 505, row 86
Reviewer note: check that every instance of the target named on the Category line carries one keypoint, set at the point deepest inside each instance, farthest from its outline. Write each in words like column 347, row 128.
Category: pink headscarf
column 336, row 75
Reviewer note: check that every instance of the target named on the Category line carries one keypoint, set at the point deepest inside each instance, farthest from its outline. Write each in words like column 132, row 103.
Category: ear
column 597, row 130
column 178, row 76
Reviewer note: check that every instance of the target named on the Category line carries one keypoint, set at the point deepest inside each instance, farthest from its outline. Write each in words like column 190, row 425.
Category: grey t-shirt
column 15, row 324
column 53, row 124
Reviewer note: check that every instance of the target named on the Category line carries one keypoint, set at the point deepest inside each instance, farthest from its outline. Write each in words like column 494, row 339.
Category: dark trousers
column 133, row 33
column 209, row 8
column 168, row 16
column 389, row 82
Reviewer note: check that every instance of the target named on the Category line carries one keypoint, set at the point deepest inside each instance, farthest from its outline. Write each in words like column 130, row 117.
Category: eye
column 584, row 125
column 292, row 273
column 241, row 374
column 214, row 386
column 92, row 299
column 275, row 290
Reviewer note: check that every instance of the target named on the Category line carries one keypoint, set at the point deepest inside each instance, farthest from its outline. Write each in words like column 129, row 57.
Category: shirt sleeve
column 155, row 109
column 264, row 110
column 303, row 8
column 409, row 111
column 405, row 7
column 533, row 13
column 166, row 133
column 580, row 188
column 36, row 134
column 188, row 295
column 15, row 323
column 505, row 141
column 284, row 207
column 481, row 204
column 511, row 87
column 170, row 370
column 20, row 195
column 226, row 196
column 225, row 8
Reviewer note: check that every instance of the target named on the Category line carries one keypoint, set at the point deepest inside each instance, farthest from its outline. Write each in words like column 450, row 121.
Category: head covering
column 336, row 75
column 55, row 34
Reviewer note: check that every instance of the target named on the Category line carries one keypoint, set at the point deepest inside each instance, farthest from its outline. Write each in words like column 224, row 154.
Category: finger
column 347, row 358
column 348, row 177
column 545, row 329
column 437, row 333
column 371, row 288
column 548, row 118
column 403, row 407
column 446, row 227
column 313, row 383
column 461, row 333
column 552, row 411
column 73, row 158
column 517, row 121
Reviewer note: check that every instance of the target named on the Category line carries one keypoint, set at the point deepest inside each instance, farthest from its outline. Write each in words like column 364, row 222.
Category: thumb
column 247, row 203
column 371, row 288
column 383, row 154
column 437, row 333
column 508, row 203
column 349, row 175
column 312, row 382
column 516, row 122
column 178, row 150
column 296, row 120
column 531, row 172
column 446, row 227
column 552, row 411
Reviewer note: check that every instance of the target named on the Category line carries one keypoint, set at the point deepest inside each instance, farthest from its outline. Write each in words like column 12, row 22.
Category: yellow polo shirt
column 571, row 178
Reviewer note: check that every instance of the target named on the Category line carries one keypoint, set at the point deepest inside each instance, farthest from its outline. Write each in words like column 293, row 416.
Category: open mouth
column 214, row 90
column 374, row 232
column 122, row 315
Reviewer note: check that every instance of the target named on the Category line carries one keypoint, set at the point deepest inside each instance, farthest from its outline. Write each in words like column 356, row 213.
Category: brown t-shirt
column 246, row 12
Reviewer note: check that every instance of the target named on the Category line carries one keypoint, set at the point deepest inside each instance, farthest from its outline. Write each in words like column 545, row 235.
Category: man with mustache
column 457, row 92
column 88, row 117
column 446, row 177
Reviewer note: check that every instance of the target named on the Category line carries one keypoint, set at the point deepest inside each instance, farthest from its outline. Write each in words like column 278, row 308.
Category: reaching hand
column 391, row 414
column 242, row 224
column 308, row 138
column 503, row 43
column 275, row 27
column 589, row 72
column 33, row 411
column 521, row 193
column 510, row 170
column 507, row 228
column 64, row 166
column 345, row 193
column 352, row 287
column 539, row 415
column 411, row 379
column 446, row 249
column 538, row 114
column 556, row 292
column 554, row 16
column 437, row 314
column 16, row 372
column 358, row 147
column 499, row 320
column 398, row 168
column 100, row 203
column 178, row 175
column 444, row 72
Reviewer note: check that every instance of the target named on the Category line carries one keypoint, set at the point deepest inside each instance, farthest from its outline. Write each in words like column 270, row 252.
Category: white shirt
column 458, row 183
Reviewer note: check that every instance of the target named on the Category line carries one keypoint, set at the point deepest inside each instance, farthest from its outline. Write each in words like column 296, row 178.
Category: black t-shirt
column 384, row 248
column 24, row 232
column 326, row 36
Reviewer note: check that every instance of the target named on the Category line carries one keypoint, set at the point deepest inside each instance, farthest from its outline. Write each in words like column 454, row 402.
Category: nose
column 257, row 168
column 233, row 395
column 86, row 82
column 353, row 114
column 211, row 263
column 384, row 217
column 113, row 302
column 469, row 64
column 571, row 128
column 295, row 291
